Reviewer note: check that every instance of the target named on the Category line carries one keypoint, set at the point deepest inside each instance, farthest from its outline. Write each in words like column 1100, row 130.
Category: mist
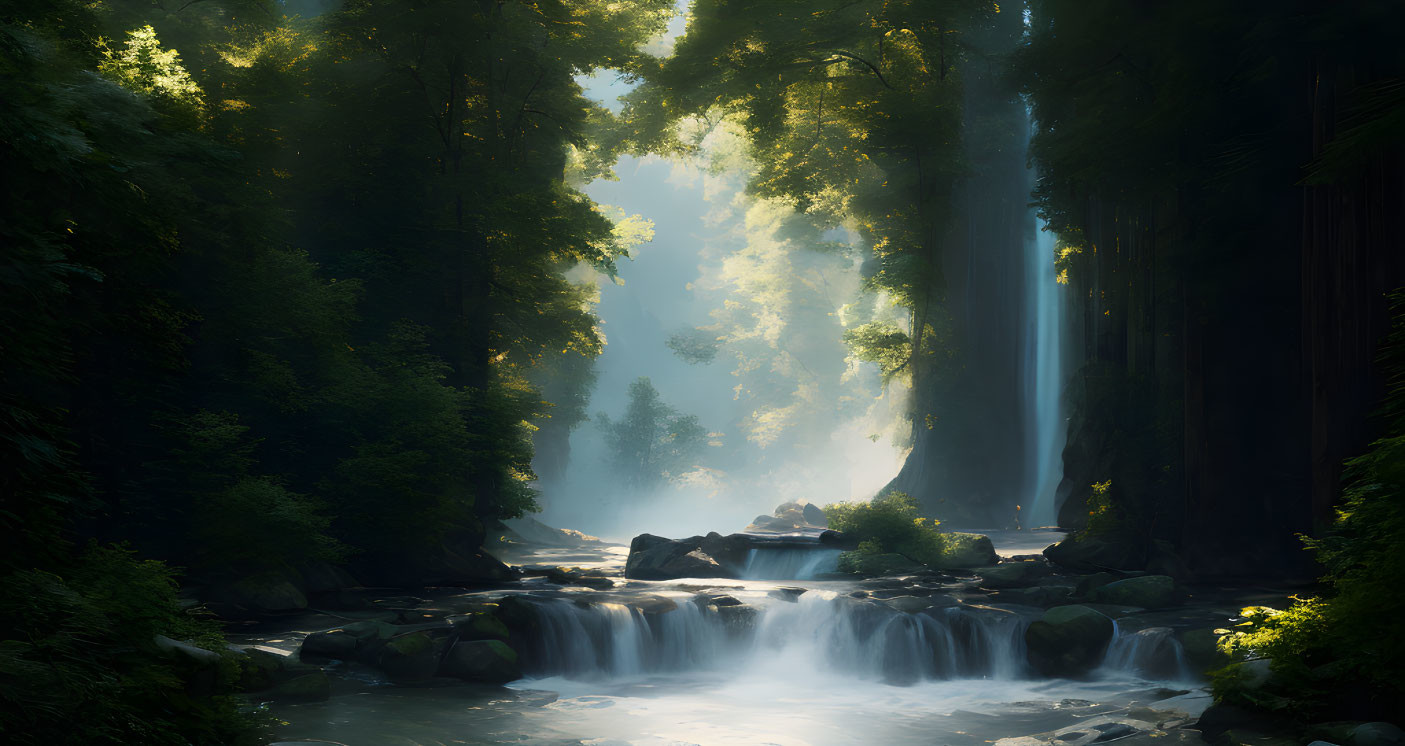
column 790, row 414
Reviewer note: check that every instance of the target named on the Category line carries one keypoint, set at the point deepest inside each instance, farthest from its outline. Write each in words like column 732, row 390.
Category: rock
column 480, row 626
column 1010, row 574
column 1113, row 611
column 877, row 565
column 1041, row 596
column 814, row 515
column 1084, row 553
column 729, row 551
column 1068, row 640
column 787, row 593
column 487, row 661
column 519, row 615
column 964, row 551
column 1219, row 720
column 909, row 604
column 656, row 558
column 533, row 531
column 1202, row 650
column 1375, row 734
column 1147, row 591
column 1089, row 583
column 410, row 657
column 186, row 650
column 310, row 687
column 739, row 621
column 571, row 576
column 261, row 595
column 349, row 642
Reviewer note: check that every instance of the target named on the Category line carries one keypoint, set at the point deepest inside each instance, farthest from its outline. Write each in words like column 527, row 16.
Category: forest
column 1068, row 336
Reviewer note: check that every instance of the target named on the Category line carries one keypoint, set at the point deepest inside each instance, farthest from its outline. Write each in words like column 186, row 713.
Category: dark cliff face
column 968, row 459
column 1231, row 268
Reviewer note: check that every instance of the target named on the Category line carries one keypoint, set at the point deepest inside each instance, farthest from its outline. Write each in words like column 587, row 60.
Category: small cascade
column 820, row 631
column 602, row 640
column 1152, row 653
column 789, row 563
column 871, row 640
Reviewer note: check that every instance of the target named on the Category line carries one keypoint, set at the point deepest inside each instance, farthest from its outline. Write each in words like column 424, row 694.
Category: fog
column 789, row 415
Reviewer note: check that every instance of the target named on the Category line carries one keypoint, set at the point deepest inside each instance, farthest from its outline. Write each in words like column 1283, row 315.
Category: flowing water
column 750, row 662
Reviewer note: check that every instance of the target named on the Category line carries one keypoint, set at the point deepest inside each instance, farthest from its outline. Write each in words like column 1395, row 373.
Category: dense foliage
column 891, row 523
column 276, row 291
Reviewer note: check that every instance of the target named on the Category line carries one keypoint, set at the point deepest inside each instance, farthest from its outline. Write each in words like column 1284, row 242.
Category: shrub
column 890, row 523
column 79, row 664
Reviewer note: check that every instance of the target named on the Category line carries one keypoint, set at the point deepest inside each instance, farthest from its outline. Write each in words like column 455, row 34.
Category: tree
column 652, row 443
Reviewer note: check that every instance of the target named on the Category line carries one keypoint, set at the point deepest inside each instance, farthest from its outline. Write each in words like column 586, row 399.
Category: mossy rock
column 487, row 661
column 1068, row 640
column 964, row 551
column 411, row 657
column 1202, row 649
column 481, row 626
column 1147, row 591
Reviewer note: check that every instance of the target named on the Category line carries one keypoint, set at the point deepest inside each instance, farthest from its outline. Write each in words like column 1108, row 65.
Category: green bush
column 890, row 524
column 79, row 663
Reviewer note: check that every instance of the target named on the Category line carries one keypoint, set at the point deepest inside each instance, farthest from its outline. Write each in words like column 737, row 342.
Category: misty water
column 660, row 662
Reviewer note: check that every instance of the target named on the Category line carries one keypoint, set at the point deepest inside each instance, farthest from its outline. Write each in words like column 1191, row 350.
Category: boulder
column 788, row 517
column 1202, row 650
column 838, row 540
column 1089, row 583
column 487, row 661
column 480, row 625
column 1010, row 574
column 729, row 551
column 656, row 558
column 1147, row 591
column 1068, row 640
column 964, row 551
column 261, row 595
column 309, row 687
column 410, row 657
column 349, row 642
column 1085, row 553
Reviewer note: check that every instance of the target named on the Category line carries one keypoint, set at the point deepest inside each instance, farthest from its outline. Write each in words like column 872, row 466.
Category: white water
column 821, row 633
column 671, row 662
column 789, row 563
column 1043, row 379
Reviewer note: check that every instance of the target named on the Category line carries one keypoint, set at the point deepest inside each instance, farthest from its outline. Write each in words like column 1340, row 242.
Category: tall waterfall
column 1043, row 379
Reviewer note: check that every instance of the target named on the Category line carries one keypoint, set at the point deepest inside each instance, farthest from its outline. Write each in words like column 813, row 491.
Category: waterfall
column 821, row 631
column 789, row 563
column 1152, row 653
column 1043, row 379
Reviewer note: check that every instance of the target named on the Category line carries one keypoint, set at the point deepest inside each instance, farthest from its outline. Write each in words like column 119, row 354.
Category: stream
column 758, row 661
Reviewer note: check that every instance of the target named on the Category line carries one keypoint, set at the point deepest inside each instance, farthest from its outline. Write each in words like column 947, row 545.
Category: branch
column 856, row 58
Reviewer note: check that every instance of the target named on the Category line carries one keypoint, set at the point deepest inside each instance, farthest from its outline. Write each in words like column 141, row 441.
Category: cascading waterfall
column 789, row 563
column 820, row 630
column 1043, row 379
